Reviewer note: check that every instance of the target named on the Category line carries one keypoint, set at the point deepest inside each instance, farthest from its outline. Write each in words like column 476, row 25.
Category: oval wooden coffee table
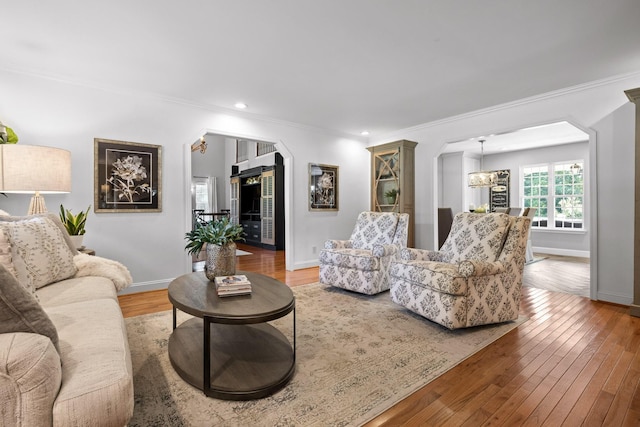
column 228, row 350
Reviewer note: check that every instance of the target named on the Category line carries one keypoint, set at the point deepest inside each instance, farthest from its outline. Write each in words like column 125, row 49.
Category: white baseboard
column 561, row 252
column 146, row 286
column 615, row 298
column 306, row 264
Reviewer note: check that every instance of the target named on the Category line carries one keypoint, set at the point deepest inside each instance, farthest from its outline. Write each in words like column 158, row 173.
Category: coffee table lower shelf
column 246, row 361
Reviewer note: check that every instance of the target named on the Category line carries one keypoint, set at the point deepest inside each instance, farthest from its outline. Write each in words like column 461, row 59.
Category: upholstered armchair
column 361, row 264
column 474, row 279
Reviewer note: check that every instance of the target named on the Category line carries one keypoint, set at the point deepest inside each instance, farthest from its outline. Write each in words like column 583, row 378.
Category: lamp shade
column 32, row 169
column 482, row 179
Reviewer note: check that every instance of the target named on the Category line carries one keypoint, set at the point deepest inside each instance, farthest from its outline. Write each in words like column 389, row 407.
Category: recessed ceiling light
column 240, row 105
column 364, row 133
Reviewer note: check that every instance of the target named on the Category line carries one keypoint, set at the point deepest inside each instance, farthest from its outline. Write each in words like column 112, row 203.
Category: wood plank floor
column 575, row 362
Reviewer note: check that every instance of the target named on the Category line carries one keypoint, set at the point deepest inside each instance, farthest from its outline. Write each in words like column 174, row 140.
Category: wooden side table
column 228, row 350
column 87, row 251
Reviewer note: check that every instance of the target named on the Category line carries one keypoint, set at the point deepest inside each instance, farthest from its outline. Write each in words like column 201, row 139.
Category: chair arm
column 384, row 250
column 30, row 377
column 480, row 268
column 337, row 244
column 412, row 254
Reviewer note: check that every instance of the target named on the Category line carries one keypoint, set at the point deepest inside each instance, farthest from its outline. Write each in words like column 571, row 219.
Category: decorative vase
column 77, row 241
column 221, row 260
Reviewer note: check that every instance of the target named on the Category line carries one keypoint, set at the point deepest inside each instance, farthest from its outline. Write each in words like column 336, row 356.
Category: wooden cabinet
column 393, row 180
column 257, row 203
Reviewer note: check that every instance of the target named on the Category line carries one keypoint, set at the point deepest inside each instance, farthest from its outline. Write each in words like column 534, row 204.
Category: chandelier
column 482, row 178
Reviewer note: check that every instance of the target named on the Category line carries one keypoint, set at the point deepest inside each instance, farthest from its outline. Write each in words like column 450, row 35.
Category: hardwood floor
column 575, row 362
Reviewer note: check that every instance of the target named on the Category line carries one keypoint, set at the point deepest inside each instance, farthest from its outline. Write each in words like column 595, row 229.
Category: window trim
column 551, row 170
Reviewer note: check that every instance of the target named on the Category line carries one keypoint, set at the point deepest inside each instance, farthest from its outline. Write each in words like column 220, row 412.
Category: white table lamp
column 34, row 169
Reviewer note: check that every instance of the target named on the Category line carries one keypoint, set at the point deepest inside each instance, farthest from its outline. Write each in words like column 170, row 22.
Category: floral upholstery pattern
column 475, row 237
column 467, row 292
column 361, row 264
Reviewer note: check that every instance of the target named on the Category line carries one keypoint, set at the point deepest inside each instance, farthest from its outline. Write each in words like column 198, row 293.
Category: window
column 263, row 148
column 242, row 150
column 557, row 192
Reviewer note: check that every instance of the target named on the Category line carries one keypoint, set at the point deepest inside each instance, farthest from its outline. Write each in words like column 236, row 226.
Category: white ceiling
column 523, row 139
column 379, row 65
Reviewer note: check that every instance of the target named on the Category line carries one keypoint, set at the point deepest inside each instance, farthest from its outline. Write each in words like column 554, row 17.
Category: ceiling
column 523, row 139
column 348, row 66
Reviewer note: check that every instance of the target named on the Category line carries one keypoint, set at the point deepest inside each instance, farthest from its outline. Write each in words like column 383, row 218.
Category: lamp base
column 37, row 205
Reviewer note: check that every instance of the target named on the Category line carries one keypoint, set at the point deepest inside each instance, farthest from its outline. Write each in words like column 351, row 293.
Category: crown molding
column 524, row 101
column 184, row 102
column 633, row 94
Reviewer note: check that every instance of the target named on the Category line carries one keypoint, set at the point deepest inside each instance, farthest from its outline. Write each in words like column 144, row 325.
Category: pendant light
column 482, row 178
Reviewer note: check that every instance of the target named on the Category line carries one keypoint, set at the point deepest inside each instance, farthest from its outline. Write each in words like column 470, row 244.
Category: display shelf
column 392, row 168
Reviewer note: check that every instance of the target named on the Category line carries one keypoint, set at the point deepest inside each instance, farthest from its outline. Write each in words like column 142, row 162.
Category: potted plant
column 74, row 224
column 391, row 196
column 218, row 239
column 7, row 135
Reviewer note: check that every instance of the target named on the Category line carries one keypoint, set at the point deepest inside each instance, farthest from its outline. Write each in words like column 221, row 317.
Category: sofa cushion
column 359, row 259
column 374, row 228
column 475, row 237
column 39, row 250
column 76, row 289
column 97, row 378
column 20, row 312
column 30, row 377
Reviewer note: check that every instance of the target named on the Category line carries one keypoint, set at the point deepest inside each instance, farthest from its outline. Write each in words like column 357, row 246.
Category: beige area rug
column 356, row 356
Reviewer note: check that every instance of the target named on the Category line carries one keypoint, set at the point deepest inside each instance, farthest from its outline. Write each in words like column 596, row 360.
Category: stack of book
column 232, row 285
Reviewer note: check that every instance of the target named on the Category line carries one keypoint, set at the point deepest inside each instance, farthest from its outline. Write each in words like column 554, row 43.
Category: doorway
column 218, row 155
column 513, row 150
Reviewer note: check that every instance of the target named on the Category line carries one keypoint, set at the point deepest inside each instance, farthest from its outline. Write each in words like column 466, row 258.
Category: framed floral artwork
column 127, row 176
column 323, row 187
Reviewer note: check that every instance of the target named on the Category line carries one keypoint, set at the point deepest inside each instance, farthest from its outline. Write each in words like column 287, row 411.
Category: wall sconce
column 575, row 169
column 200, row 145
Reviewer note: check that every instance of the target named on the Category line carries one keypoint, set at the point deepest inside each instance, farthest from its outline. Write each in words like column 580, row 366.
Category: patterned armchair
column 361, row 264
column 476, row 277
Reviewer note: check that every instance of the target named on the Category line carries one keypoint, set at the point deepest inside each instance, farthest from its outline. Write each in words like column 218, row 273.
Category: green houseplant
column 7, row 135
column 391, row 196
column 74, row 224
column 218, row 239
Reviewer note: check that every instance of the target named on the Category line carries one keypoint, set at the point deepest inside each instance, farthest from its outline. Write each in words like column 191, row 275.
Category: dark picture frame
column 127, row 176
column 323, row 187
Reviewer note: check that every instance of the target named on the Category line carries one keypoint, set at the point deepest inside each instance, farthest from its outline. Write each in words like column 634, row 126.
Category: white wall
column 616, row 194
column 58, row 114
column 590, row 106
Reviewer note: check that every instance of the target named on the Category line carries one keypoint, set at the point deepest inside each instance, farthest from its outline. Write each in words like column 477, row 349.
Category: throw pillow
column 20, row 312
column 39, row 250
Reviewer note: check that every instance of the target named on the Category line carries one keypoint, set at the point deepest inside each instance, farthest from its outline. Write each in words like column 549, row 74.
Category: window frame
column 552, row 170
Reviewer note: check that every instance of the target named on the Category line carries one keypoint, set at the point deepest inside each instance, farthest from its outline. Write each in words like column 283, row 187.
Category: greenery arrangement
column 7, row 135
column 74, row 223
column 218, row 232
column 391, row 194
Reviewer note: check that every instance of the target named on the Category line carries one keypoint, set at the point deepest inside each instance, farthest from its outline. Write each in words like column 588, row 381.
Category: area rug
column 356, row 356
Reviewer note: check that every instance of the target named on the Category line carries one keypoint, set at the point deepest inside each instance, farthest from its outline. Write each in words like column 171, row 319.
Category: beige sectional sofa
column 64, row 354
